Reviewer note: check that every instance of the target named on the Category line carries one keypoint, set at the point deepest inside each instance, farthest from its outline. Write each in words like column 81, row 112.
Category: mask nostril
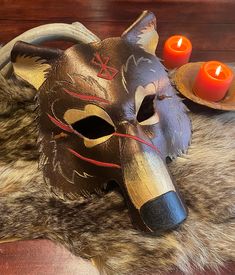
column 112, row 185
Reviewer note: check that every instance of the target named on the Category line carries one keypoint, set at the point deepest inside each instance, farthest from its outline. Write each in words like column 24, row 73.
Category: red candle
column 176, row 51
column 213, row 81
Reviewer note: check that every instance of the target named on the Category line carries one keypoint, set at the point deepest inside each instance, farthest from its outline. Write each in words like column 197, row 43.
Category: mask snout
column 148, row 186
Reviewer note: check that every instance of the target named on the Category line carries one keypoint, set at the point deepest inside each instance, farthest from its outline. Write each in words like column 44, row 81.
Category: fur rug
column 99, row 227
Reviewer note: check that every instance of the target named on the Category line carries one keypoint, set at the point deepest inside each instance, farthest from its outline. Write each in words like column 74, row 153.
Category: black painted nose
column 164, row 212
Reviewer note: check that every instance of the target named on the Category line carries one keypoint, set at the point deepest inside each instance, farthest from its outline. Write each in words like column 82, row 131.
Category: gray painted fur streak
column 99, row 227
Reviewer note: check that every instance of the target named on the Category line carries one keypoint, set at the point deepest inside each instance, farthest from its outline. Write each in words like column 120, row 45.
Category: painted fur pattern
column 99, row 227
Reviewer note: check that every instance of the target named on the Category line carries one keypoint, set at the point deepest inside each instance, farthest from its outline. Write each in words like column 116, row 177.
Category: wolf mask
column 107, row 112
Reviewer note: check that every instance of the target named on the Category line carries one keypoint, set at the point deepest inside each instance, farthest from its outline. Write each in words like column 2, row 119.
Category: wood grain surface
column 209, row 24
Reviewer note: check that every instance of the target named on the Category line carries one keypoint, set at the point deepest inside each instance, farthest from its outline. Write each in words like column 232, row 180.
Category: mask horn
column 32, row 63
column 142, row 32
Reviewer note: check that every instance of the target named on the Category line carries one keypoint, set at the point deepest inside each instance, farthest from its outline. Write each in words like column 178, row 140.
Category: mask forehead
column 98, row 65
column 112, row 70
column 85, row 80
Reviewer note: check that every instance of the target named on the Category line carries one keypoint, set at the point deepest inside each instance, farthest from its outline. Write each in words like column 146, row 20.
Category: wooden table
column 209, row 24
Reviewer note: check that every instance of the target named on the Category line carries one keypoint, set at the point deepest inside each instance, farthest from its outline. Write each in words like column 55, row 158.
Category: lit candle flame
column 218, row 70
column 179, row 43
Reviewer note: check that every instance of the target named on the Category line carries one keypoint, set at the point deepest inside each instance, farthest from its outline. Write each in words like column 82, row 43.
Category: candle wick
column 179, row 43
column 218, row 70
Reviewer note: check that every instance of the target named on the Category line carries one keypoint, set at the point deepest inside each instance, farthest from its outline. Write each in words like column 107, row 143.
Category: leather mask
column 109, row 113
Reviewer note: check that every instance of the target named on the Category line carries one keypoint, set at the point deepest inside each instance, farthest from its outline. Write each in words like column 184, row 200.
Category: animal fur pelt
column 99, row 227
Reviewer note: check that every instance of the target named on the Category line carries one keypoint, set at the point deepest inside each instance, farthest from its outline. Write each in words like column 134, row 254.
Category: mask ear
column 32, row 63
column 143, row 32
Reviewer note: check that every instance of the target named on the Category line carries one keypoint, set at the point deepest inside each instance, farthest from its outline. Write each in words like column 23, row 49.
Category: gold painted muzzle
column 148, row 185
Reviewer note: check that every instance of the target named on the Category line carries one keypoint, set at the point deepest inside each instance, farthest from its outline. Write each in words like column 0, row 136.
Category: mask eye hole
column 146, row 109
column 144, row 104
column 93, row 127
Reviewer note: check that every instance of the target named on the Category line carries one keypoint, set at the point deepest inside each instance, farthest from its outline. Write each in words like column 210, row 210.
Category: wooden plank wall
column 209, row 24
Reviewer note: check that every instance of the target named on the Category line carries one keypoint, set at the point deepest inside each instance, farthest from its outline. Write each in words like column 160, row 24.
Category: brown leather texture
column 210, row 25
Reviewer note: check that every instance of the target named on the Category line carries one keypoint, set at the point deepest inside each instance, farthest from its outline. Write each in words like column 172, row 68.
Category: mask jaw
column 153, row 201
column 142, row 33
